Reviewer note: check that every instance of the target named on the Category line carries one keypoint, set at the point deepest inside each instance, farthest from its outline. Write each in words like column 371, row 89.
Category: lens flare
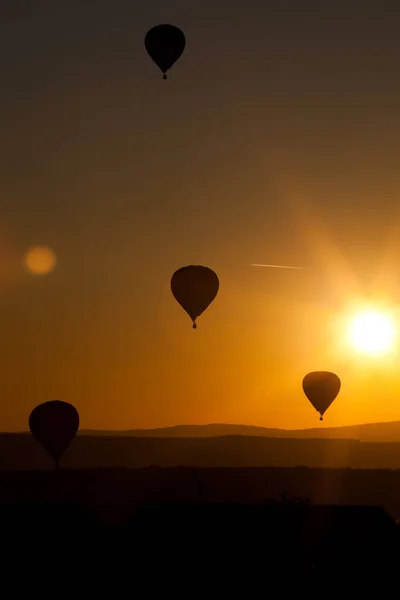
column 40, row 260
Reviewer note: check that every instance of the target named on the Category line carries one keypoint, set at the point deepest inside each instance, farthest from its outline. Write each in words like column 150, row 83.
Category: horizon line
column 23, row 431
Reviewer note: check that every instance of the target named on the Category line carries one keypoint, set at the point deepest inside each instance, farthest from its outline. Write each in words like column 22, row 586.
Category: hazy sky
column 276, row 139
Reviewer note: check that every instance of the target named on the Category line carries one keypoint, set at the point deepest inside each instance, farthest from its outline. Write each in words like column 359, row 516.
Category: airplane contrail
column 278, row 266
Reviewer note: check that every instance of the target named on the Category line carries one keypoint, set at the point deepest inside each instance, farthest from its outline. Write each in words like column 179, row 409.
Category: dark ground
column 113, row 494
column 20, row 451
column 186, row 531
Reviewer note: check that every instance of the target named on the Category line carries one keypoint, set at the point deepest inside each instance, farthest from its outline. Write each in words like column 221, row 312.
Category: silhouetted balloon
column 54, row 424
column 321, row 388
column 165, row 44
column 194, row 288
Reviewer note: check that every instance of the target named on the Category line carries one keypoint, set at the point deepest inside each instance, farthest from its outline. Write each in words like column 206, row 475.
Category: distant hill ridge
column 368, row 432
column 88, row 451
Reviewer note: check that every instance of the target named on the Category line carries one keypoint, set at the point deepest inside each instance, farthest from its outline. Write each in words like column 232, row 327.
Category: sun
column 372, row 332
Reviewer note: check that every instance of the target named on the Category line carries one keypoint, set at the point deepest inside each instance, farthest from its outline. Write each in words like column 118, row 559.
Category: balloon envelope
column 54, row 424
column 194, row 288
column 321, row 388
column 165, row 44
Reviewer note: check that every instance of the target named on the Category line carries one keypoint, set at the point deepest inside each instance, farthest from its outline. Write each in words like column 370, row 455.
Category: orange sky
column 274, row 140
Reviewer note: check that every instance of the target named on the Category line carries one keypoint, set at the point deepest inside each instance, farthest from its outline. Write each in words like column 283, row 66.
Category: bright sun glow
column 372, row 333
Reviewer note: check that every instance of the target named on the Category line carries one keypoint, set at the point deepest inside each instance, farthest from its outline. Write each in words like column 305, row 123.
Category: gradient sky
column 276, row 139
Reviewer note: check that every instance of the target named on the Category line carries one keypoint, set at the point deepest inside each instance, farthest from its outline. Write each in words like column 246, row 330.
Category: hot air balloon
column 321, row 388
column 194, row 288
column 54, row 424
column 165, row 44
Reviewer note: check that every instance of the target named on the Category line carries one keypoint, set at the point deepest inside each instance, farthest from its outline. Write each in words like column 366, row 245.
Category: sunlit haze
column 274, row 141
